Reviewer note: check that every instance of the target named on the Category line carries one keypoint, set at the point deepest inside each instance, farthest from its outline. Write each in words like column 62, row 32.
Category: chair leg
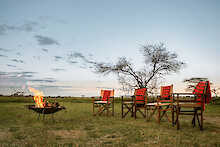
column 122, row 110
column 177, row 118
column 102, row 109
column 201, row 128
column 159, row 115
column 132, row 110
column 142, row 113
column 135, row 111
column 145, row 114
column 113, row 109
column 93, row 109
column 107, row 107
column 194, row 118
column 128, row 108
column 164, row 112
column 193, row 121
column 153, row 112
column 173, row 116
column 199, row 122
column 43, row 114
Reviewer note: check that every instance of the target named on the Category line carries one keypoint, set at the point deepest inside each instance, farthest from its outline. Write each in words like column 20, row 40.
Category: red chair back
column 140, row 95
column 166, row 93
column 106, row 94
column 203, row 89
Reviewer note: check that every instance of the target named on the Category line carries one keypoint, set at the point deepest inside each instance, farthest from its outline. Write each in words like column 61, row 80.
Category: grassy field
column 76, row 126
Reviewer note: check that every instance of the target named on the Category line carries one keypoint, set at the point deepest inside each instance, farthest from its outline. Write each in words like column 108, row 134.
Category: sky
column 40, row 41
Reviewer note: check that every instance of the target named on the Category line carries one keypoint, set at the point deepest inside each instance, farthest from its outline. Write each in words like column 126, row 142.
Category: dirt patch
column 107, row 139
column 68, row 134
column 214, row 120
column 5, row 135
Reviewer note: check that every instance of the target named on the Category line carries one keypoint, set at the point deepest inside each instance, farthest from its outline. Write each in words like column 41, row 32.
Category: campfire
column 41, row 105
column 38, row 98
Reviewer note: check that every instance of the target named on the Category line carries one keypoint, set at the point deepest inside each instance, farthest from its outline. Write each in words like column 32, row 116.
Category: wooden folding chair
column 137, row 103
column 104, row 103
column 165, row 103
column 127, row 106
column 140, row 100
column 193, row 103
column 151, row 107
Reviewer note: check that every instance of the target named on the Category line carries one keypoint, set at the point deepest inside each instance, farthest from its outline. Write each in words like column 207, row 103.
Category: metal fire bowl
column 45, row 110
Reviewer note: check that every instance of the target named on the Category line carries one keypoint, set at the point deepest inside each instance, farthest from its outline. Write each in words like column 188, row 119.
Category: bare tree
column 158, row 62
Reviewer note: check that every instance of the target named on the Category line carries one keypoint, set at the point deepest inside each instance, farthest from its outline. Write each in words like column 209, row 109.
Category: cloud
column 18, row 53
column 57, row 58
column 28, row 26
column 43, row 40
column 45, row 50
column 28, row 72
column 53, row 86
column 3, row 73
column 4, row 28
column 72, row 62
column 36, row 57
column 3, row 56
column 9, row 65
column 10, row 85
column 43, row 80
column 58, row 69
column 18, row 61
column 84, row 61
column 75, row 55
column 4, row 50
column 24, row 74
column 52, row 19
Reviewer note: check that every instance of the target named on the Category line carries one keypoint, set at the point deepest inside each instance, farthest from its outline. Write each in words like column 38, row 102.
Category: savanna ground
column 76, row 126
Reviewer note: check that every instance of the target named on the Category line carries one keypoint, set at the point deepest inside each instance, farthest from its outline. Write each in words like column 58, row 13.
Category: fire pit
column 43, row 107
column 45, row 110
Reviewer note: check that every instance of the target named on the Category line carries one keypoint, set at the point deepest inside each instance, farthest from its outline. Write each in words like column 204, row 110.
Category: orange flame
column 38, row 97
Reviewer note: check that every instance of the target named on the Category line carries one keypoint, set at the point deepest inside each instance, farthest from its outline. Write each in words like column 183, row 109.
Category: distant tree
column 158, row 62
column 191, row 82
column 215, row 91
column 18, row 93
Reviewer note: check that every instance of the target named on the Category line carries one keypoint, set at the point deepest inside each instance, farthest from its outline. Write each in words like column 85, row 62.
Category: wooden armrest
column 184, row 93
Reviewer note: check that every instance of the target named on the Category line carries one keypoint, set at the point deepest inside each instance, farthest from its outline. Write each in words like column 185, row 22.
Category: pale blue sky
column 37, row 37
